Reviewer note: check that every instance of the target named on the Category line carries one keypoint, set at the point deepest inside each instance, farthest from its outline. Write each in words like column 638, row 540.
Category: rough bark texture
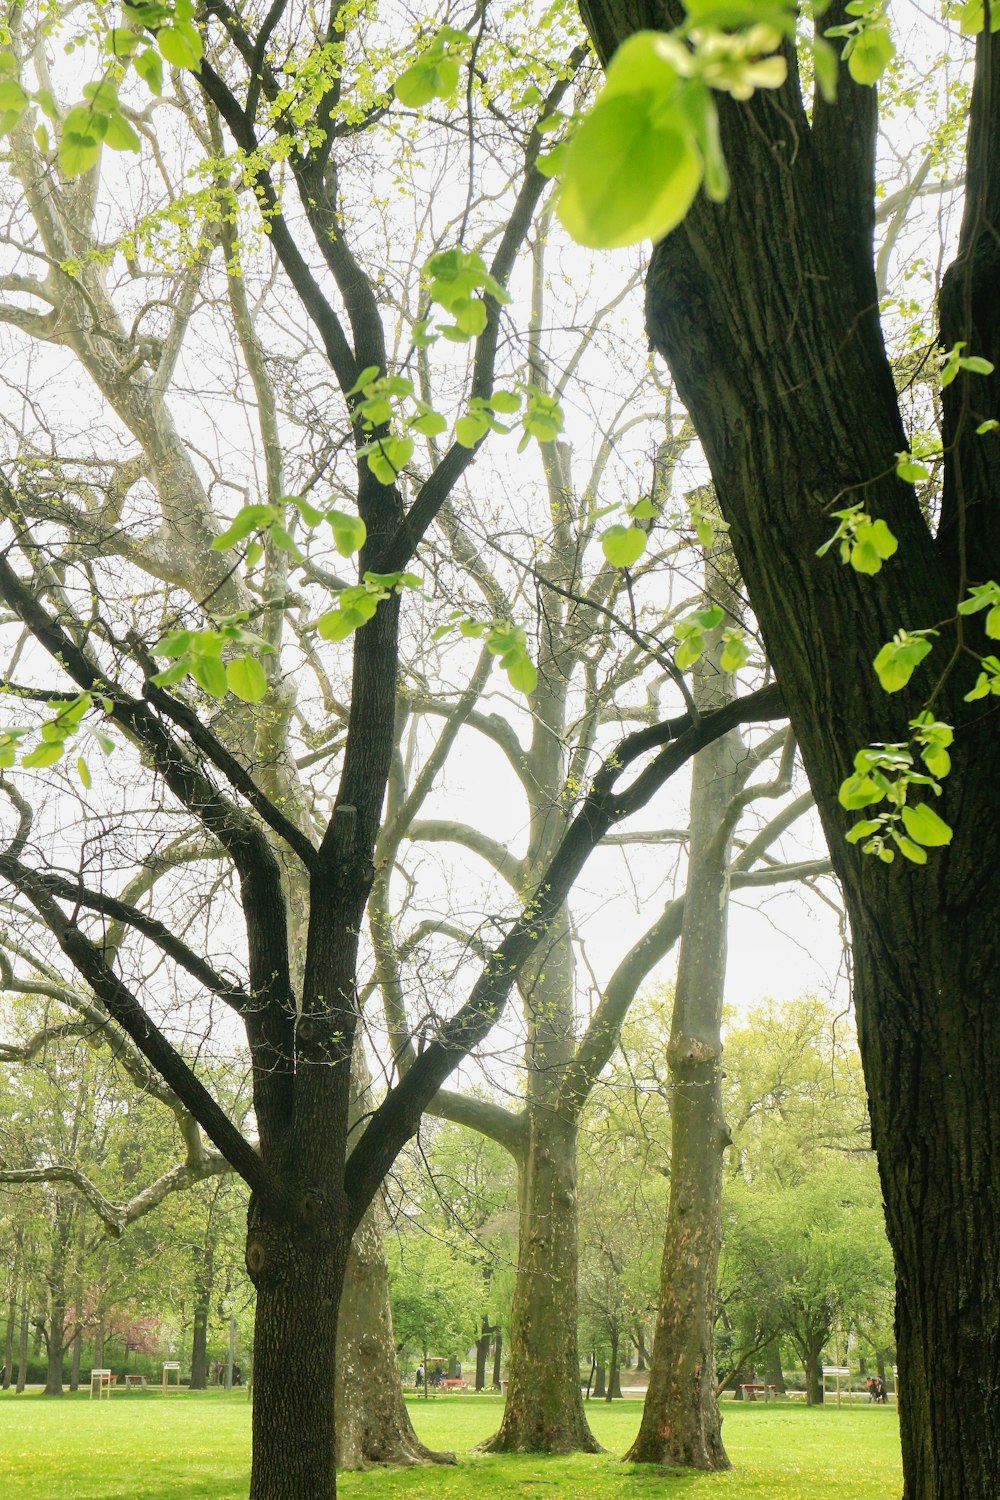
column 681, row 1423
column 203, row 1280
column 766, row 309
column 373, row 1423
column 544, row 1408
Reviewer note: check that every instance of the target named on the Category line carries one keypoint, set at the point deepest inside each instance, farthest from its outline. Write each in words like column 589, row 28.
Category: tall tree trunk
column 681, row 1423
column 482, row 1352
column 204, row 1280
column 614, row 1374
column 56, row 1344
column 76, row 1351
column 22, row 1347
column 497, row 1359
column 600, row 1383
column 544, row 1409
column 15, row 1282
column 99, row 1343
column 773, row 1373
column 812, row 1357
column 766, row 308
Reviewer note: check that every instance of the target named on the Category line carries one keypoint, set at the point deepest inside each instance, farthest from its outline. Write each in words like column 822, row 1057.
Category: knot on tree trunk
column 691, row 1051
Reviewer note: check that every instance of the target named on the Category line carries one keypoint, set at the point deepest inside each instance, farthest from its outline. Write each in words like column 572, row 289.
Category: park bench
column 135, row 1382
column 454, row 1385
column 769, row 1392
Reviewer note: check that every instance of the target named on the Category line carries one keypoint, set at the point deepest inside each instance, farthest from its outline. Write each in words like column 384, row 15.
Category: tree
column 775, row 344
column 114, row 559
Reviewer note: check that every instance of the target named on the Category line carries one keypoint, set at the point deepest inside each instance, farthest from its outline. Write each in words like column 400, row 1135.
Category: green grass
column 196, row 1447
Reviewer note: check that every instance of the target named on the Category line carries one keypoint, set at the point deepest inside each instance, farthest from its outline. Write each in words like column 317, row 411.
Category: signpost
column 837, row 1371
column 171, row 1364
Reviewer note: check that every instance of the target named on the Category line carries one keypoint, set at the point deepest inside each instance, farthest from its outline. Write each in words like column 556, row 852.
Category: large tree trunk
column 766, row 308
column 544, row 1410
column 298, row 1271
column 681, row 1423
column 373, row 1422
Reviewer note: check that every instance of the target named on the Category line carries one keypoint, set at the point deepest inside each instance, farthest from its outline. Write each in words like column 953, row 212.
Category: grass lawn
column 196, row 1447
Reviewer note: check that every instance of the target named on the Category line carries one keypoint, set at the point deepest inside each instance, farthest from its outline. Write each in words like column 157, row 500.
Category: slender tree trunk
column 56, row 1349
column 204, row 1280
column 8, row 1347
column 76, row 1351
column 497, row 1359
column 773, row 1373
column 600, row 1383
column 482, row 1351
column 614, row 1374
column 22, row 1348
column 99, row 1344
column 681, row 1422
column 544, row 1409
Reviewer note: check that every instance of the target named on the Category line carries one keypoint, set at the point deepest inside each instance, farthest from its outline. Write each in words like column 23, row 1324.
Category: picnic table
column 454, row 1385
column 750, row 1389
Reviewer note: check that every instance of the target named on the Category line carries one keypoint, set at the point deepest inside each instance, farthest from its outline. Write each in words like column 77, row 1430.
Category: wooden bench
column 769, row 1392
column 135, row 1382
column 454, row 1385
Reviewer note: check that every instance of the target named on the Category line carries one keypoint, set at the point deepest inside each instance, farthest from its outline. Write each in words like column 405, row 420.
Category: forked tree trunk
column 544, row 1409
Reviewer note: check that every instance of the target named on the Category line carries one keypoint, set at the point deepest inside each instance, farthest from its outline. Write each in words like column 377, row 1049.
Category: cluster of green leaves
column 693, row 630
column 985, row 596
column 885, row 773
column 154, row 34
column 864, row 543
column 356, row 604
column 56, row 734
column 199, row 654
column 503, row 639
column 380, row 406
column 264, row 519
column 435, row 73
column 458, row 281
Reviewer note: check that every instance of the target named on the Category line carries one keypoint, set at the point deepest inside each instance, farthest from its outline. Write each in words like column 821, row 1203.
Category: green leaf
column 623, row 545
column 45, row 754
column 871, row 53
column 83, row 771
column 150, row 70
column 426, row 80
column 521, row 673
column 862, row 830
column 349, row 532
column 827, row 69
column 859, row 791
column 12, row 97
column 505, row 402
column 180, row 46
column 924, row 825
column 388, row 457
column 898, row 659
column 250, row 518
column 976, row 365
column 470, row 429
column 77, row 153
column 632, row 171
column 368, row 374
column 173, row 644
column 911, row 850
column 209, row 673
column 245, row 677
column 120, row 135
